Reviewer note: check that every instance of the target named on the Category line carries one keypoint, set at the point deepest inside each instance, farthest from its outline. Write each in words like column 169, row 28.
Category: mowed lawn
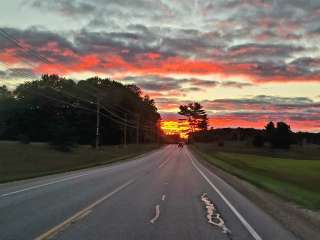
column 19, row 161
column 295, row 179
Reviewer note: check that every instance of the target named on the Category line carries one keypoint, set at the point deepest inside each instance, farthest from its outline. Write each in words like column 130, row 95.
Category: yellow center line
column 82, row 213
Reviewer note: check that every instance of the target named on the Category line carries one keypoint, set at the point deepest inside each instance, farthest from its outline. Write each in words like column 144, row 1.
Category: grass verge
column 292, row 179
column 21, row 161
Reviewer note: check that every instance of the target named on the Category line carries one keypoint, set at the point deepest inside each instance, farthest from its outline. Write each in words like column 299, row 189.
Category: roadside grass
column 20, row 161
column 294, row 179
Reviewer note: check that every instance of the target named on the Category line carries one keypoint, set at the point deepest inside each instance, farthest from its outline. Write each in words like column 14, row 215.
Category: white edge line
column 250, row 229
column 42, row 185
column 66, row 178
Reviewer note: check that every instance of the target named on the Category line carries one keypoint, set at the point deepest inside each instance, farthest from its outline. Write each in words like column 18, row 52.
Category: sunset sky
column 246, row 61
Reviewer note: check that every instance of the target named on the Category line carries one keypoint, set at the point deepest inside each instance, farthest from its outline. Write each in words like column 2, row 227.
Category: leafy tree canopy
column 196, row 115
column 45, row 109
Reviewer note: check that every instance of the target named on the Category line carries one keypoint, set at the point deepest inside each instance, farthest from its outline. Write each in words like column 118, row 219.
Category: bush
column 283, row 137
column 63, row 138
column 221, row 144
column 23, row 139
column 258, row 141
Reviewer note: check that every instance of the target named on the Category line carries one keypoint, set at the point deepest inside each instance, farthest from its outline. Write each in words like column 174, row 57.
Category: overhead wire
column 31, row 52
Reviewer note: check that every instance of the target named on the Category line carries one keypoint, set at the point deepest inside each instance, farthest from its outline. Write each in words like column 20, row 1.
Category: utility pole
column 98, row 122
column 125, row 130
column 138, row 129
column 158, row 131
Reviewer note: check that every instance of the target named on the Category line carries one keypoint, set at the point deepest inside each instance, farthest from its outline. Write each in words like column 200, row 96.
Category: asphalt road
column 159, row 195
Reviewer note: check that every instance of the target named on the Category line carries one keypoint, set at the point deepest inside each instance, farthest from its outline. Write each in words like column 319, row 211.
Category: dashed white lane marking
column 163, row 197
column 43, row 185
column 157, row 214
column 81, row 214
column 250, row 229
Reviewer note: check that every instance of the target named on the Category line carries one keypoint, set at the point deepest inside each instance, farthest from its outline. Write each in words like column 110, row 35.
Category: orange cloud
column 8, row 56
column 65, row 61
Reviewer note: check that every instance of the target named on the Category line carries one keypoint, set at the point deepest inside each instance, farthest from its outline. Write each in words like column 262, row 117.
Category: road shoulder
column 75, row 169
column 303, row 223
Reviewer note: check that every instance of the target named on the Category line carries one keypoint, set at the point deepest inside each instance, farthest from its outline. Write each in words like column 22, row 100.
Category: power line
column 88, row 101
column 115, row 117
column 31, row 52
column 125, row 121
column 27, row 75
column 72, row 105
column 115, row 105
column 16, row 42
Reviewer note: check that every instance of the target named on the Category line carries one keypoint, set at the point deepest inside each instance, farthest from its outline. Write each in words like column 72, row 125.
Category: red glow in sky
column 246, row 70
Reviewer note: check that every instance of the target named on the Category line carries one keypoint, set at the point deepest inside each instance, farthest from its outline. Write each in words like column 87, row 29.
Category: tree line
column 277, row 135
column 63, row 112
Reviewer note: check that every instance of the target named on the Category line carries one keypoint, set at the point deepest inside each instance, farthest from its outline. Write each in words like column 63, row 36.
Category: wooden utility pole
column 138, row 129
column 98, row 122
column 158, row 131
column 125, row 131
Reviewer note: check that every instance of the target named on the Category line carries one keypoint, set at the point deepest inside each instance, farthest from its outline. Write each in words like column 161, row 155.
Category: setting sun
column 172, row 127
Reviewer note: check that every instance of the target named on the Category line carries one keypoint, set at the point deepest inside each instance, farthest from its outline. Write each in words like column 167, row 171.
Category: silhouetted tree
column 196, row 116
column 62, row 111
column 7, row 108
column 278, row 138
column 4, row 92
column 63, row 137
column 282, row 137
column 270, row 130
column 258, row 140
column 226, row 134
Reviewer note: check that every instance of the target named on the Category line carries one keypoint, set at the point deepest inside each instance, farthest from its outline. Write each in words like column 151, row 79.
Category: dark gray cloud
column 17, row 73
column 258, row 52
column 125, row 44
column 236, row 84
column 141, row 45
column 120, row 10
column 307, row 63
column 203, row 83
column 157, row 83
column 265, row 40
column 66, row 7
column 266, row 104
column 34, row 42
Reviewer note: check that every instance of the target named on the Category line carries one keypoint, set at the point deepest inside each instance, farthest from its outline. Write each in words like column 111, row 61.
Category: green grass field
column 19, row 161
column 293, row 175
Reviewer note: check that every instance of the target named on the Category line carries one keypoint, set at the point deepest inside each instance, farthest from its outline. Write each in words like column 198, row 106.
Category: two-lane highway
column 166, row 194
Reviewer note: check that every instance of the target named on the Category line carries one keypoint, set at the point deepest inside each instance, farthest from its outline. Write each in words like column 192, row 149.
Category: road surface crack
column 213, row 215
